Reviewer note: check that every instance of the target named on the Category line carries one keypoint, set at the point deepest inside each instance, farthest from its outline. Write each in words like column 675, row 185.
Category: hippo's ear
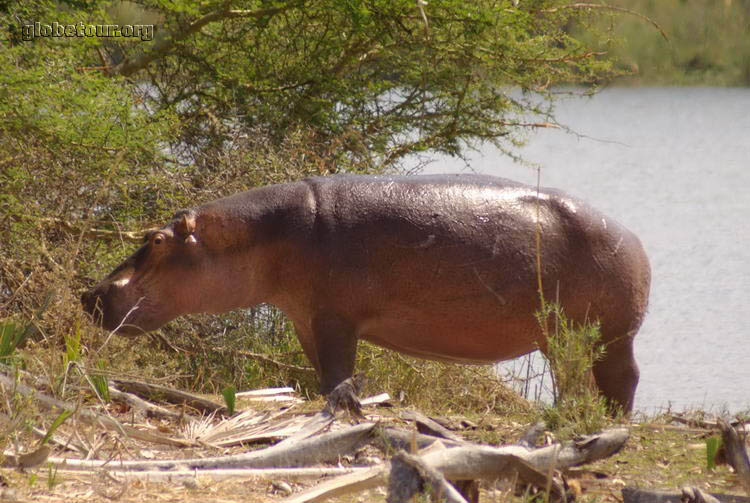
column 185, row 225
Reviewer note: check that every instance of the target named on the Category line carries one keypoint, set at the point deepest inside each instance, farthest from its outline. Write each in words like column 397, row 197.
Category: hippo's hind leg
column 617, row 374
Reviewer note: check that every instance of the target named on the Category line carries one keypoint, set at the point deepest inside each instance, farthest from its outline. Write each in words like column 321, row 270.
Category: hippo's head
column 153, row 286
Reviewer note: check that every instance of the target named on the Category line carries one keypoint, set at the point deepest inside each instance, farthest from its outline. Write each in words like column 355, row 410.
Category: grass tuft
column 437, row 387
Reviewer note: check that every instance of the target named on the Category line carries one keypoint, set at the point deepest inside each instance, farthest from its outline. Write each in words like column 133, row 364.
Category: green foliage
column 73, row 345
column 100, row 382
column 571, row 351
column 52, row 478
column 713, row 444
column 58, row 421
column 230, row 398
column 12, row 335
column 707, row 41
column 372, row 80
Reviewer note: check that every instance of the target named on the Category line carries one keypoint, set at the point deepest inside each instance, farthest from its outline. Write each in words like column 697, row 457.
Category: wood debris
column 153, row 434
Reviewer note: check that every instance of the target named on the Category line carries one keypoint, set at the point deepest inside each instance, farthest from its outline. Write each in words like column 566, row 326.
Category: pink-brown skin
column 440, row 267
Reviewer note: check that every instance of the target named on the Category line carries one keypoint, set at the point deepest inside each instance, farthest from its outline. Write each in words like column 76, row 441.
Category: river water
column 673, row 165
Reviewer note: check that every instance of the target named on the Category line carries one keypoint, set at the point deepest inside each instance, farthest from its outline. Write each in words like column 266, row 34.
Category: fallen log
column 380, row 399
column 310, row 451
column 736, row 450
column 222, row 474
column 151, row 391
column 115, row 394
column 429, row 426
column 358, row 481
column 354, row 482
column 700, row 423
column 399, row 438
column 469, row 462
column 28, row 460
column 147, row 408
column 410, row 475
column 635, row 495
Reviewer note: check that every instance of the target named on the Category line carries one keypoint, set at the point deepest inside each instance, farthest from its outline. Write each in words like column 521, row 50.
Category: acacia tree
column 371, row 81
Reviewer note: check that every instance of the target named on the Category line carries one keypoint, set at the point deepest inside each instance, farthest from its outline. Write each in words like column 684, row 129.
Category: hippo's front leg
column 331, row 346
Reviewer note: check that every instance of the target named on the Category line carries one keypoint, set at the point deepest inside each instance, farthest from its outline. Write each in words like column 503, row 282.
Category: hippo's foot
column 344, row 396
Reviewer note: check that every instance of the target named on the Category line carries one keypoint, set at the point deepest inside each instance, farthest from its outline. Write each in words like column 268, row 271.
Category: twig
column 178, row 397
column 131, row 236
column 148, row 408
column 55, row 439
column 609, row 7
column 264, row 358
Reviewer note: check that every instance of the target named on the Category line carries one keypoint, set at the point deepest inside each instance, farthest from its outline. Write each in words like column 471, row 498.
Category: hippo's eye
column 158, row 239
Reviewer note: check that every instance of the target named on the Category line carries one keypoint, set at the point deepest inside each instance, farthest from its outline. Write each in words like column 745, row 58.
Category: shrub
column 571, row 352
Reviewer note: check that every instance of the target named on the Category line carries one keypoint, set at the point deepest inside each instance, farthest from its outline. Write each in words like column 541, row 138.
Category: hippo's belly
column 463, row 335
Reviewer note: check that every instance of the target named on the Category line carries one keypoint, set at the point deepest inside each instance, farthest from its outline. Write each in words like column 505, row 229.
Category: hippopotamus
column 442, row 267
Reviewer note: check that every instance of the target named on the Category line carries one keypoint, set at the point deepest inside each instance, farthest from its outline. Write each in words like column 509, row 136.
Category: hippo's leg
column 617, row 374
column 331, row 346
column 335, row 350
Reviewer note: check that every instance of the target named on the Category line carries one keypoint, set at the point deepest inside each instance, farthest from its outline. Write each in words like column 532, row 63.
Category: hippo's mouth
column 104, row 316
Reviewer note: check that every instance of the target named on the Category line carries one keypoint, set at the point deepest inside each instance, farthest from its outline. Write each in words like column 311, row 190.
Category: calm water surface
column 673, row 165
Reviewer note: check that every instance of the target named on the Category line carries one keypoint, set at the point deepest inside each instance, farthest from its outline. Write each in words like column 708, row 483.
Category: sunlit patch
column 121, row 282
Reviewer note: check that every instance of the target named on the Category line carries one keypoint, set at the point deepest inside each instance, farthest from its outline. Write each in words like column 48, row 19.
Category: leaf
column 101, row 385
column 712, row 448
column 73, row 344
column 230, row 398
column 11, row 335
column 56, row 424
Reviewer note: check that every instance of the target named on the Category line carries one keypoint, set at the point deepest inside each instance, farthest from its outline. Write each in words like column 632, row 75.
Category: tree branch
column 166, row 44
column 609, row 7
column 130, row 236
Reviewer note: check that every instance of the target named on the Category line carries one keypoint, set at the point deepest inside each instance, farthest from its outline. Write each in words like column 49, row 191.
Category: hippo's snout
column 100, row 304
column 91, row 301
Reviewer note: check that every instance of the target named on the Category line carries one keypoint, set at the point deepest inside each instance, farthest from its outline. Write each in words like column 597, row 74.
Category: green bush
column 571, row 350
